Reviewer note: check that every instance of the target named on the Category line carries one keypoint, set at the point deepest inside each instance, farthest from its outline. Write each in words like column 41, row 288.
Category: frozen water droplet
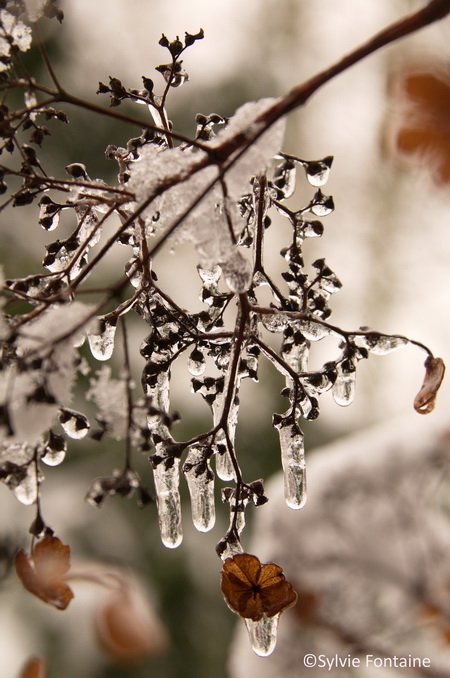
column 200, row 480
column 263, row 634
column 344, row 387
column 196, row 363
column 224, row 466
column 314, row 331
column 210, row 276
column 74, row 423
column 381, row 345
column 322, row 204
column 55, row 450
column 284, row 178
column 237, row 273
column 275, row 322
column 101, row 343
column 167, row 477
column 293, row 462
column 317, row 172
column 26, row 491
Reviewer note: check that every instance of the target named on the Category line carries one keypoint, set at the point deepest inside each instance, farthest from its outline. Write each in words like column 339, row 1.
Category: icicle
column 224, row 466
column 293, row 461
column 200, row 480
column 167, row 476
column 101, row 343
column 263, row 634
column 344, row 387
column 295, row 349
column 74, row 423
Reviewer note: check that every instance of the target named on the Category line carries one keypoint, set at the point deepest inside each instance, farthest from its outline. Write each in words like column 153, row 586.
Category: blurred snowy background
column 388, row 243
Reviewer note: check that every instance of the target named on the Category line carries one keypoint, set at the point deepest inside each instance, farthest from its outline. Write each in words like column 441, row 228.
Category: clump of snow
column 214, row 222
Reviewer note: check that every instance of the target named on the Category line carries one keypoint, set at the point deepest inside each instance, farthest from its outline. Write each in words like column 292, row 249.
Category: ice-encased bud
column 382, row 344
column 167, row 478
column 275, row 322
column 322, row 204
column 101, row 342
column 55, row 449
column 237, row 272
column 75, row 424
column 318, row 171
column 196, row 363
column 314, row 331
column 200, row 481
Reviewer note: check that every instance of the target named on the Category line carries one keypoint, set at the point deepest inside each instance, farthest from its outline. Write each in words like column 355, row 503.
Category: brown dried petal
column 42, row 573
column 425, row 400
column 252, row 589
column 34, row 668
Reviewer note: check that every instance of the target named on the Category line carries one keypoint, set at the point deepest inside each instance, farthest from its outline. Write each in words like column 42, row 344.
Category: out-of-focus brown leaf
column 423, row 128
column 127, row 629
column 42, row 573
column 425, row 400
column 34, row 668
column 252, row 589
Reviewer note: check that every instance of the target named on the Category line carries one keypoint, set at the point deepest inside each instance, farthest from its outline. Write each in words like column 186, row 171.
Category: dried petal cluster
column 253, row 590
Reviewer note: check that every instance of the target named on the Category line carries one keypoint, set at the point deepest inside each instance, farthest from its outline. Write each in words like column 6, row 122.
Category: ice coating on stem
column 263, row 634
column 167, row 477
column 200, row 481
column 293, row 461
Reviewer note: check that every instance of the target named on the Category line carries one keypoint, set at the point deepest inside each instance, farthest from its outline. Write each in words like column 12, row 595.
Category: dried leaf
column 425, row 400
column 42, row 573
column 252, row 589
column 423, row 130
column 127, row 629
column 34, row 668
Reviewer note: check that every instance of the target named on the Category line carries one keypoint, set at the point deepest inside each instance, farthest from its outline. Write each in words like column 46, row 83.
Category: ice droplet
column 237, row 272
column 381, row 345
column 322, row 204
column 167, row 478
column 263, row 634
column 26, row 491
column 200, row 480
column 55, row 450
column 293, row 462
column 196, row 363
column 317, row 172
column 224, row 466
column 101, row 342
column 275, row 322
column 314, row 331
column 74, row 423
column 344, row 387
